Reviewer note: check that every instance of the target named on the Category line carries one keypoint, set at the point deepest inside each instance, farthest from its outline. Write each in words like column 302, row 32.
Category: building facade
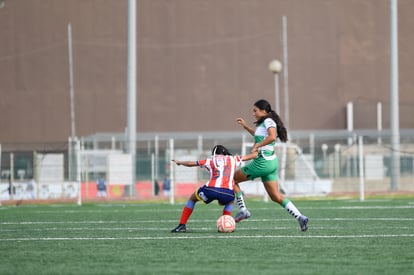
column 200, row 64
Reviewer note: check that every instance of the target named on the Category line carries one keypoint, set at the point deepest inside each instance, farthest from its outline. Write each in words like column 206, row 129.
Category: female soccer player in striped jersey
column 222, row 166
column 269, row 127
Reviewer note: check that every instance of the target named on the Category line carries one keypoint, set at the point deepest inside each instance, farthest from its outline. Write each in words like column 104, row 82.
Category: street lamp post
column 325, row 159
column 275, row 66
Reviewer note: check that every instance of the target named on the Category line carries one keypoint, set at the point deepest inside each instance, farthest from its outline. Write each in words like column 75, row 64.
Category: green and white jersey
column 261, row 133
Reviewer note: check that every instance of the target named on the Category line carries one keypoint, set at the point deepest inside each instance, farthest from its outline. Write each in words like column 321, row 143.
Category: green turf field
column 344, row 237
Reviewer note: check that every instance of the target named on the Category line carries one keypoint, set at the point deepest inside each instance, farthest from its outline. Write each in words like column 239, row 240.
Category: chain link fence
column 311, row 164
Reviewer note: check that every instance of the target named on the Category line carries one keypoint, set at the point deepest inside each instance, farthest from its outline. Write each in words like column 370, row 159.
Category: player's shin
column 187, row 211
column 241, row 206
column 228, row 208
column 291, row 208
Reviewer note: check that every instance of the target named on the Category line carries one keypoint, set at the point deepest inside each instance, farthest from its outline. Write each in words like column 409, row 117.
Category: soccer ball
column 226, row 224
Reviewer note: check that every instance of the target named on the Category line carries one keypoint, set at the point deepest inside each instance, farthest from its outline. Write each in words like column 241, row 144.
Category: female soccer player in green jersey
column 269, row 127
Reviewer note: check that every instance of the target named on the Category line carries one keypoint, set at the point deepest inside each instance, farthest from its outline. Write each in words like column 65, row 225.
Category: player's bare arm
column 243, row 123
column 185, row 163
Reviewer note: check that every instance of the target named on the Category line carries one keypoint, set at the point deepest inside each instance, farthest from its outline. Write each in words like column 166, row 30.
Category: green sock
column 284, row 202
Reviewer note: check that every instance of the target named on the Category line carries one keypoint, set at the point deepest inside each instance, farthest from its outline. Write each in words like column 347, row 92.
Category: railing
column 311, row 164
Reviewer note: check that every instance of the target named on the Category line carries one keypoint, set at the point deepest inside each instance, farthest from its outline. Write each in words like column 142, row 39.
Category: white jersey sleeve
column 269, row 123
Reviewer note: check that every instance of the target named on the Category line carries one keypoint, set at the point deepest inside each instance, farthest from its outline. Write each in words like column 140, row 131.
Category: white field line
column 141, row 225
column 216, row 236
column 198, row 220
column 167, row 229
column 361, row 207
column 272, row 207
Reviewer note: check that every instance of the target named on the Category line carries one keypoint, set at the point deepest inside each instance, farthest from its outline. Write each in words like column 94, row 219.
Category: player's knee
column 239, row 177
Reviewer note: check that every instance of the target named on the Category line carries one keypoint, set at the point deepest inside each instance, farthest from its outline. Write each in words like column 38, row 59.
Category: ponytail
column 280, row 127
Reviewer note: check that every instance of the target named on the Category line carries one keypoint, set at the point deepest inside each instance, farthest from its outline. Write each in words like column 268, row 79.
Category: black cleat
column 303, row 223
column 179, row 229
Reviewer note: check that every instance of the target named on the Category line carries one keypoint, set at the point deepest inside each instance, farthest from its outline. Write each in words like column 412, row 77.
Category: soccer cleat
column 179, row 229
column 242, row 215
column 303, row 223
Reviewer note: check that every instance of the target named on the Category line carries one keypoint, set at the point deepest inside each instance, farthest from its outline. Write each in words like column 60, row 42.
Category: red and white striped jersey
column 222, row 169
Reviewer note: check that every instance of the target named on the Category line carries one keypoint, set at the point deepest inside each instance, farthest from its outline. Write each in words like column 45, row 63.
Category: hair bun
column 220, row 150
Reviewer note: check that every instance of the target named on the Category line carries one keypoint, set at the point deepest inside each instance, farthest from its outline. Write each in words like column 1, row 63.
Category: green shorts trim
column 262, row 168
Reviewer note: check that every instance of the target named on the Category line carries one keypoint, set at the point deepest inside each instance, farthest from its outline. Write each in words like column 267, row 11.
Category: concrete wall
column 201, row 64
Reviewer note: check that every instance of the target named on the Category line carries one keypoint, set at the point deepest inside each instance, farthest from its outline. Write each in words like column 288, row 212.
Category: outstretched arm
column 185, row 163
column 243, row 123
column 250, row 156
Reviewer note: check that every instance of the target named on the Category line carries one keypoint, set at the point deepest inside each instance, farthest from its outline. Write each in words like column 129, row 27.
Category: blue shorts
column 209, row 194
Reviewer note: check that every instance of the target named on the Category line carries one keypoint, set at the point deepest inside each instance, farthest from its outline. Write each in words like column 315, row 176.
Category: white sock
column 291, row 208
column 240, row 203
